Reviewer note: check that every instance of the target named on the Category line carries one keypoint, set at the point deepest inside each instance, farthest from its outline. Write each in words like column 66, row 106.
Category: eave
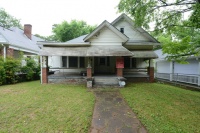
column 63, row 44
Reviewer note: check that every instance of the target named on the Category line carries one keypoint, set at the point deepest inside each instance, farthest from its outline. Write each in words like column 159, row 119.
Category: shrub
column 11, row 66
column 2, row 71
column 31, row 68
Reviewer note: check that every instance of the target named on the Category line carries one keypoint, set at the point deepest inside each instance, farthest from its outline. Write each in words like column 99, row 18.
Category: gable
column 106, row 33
column 106, row 36
column 131, row 32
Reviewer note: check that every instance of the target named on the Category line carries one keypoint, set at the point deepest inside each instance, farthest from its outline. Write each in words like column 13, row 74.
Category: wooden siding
column 106, row 37
column 191, row 68
column 163, row 67
column 130, row 32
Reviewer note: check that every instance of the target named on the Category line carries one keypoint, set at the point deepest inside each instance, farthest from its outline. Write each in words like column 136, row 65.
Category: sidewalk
column 112, row 115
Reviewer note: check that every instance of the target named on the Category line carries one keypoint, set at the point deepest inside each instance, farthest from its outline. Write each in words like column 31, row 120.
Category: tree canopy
column 176, row 23
column 70, row 30
column 7, row 21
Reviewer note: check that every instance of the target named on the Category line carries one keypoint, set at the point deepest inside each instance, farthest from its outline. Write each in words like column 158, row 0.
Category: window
column 102, row 61
column 133, row 62
column 122, row 30
column 129, row 62
column 108, row 61
column 64, row 61
column 82, row 62
column 73, row 61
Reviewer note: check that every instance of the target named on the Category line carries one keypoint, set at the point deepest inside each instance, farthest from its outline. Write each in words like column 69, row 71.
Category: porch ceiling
column 144, row 54
column 96, row 50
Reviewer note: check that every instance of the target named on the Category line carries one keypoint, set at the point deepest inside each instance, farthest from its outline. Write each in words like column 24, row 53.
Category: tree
column 169, row 19
column 46, row 38
column 164, row 13
column 7, row 21
column 67, row 31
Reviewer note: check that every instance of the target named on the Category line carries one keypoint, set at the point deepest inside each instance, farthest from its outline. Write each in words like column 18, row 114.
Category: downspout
column 4, row 52
column 41, row 69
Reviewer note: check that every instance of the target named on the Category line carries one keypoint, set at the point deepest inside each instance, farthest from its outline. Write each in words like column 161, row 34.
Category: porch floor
column 77, row 75
column 99, row 79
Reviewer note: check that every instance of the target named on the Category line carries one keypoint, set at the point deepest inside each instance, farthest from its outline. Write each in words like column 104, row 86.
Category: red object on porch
column 89, row 72
column 45, row 75
column 119, row 62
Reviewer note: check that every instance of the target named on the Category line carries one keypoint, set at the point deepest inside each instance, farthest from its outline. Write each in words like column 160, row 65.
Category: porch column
column 44, row 69
column 199, row 73
column 89, row 69
column 171, row 70
column 120, row 66
column 151, row 71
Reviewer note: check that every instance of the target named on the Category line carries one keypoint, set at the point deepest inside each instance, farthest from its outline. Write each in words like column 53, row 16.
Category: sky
column 42, row 14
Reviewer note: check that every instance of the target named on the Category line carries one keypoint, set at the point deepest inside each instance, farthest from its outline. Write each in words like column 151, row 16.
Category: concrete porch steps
column 106, row 81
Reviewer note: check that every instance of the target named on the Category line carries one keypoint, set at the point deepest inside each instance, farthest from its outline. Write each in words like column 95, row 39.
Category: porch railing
column 178, row 77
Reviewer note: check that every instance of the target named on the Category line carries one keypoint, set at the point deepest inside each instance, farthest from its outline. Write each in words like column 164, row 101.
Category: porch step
column 109, row 81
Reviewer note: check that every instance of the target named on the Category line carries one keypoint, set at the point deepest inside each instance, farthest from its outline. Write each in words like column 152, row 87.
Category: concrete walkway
column 112, row 115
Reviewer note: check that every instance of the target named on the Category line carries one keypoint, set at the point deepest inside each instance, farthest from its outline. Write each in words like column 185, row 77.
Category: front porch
column 59, row 75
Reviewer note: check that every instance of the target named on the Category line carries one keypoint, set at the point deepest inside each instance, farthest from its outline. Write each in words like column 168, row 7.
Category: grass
column 163, row 108
column 32, row 107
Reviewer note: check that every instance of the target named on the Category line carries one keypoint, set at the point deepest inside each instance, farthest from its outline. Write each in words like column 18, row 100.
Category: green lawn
column 163, row 108
column 32, row 107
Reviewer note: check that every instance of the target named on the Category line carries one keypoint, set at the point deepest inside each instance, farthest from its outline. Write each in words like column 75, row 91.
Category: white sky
column 42, row 14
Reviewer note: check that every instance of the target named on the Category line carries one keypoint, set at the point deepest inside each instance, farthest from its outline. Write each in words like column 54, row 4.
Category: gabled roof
column 16, row 38
column 108, row 25
column 78, row 39
column 130, row 21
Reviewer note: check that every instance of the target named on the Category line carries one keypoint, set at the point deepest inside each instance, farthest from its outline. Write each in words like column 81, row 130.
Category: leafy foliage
column 12, row 72
column 7, row 21
column 46, row 38
column 11, row 66
column 2, row 71
column 169, row 19
column 165, row 13
column 67, row 31
column 31, row 69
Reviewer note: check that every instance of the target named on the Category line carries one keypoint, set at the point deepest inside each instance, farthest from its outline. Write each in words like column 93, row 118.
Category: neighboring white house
column 117, row 48
column 14, row 40
column 173, row 71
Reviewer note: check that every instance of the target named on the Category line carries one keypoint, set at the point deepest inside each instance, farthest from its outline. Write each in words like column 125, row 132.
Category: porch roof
column 89, row 51
column 144, row 54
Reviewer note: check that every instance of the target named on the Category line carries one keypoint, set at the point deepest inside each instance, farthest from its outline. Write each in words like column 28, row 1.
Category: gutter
column 57, row 44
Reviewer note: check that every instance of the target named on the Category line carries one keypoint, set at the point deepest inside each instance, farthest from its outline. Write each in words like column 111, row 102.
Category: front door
column 102, row 65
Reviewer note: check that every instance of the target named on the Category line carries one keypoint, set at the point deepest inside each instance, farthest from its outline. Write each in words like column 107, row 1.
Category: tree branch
column 174, row 4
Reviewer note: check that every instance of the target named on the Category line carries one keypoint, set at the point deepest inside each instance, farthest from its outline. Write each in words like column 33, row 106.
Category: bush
column 31, row 69
column 11, row 70
column 2, row 72
column 12, row 67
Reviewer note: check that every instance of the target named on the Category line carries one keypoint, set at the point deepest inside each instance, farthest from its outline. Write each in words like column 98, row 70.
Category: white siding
column 141, row 63
column 106, row 36
column 130, row 32
column 163, row 67
column 54, row 61
column 191, row 68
